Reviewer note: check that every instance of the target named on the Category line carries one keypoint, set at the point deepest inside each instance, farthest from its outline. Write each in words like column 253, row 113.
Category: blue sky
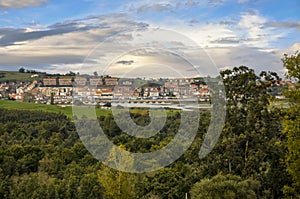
column 55, row 35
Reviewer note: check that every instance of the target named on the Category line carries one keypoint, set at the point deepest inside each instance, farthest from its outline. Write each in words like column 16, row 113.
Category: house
column 65, row 81
column 127, row 83
column 31, row 86
column 184, row 91
column 80, row 81
column 171, row 85
column 111, row 81
column 49, row 82
column 20, row 90
column 34, row 92
column 151, row 92
column 123, row 91
column 15, row 96
column 185, row 81
column 65, row 91
column 82, row 92
column 35, row 75
column 96, row 81
column 204, row 92
column 106, row 93
column 194, row 87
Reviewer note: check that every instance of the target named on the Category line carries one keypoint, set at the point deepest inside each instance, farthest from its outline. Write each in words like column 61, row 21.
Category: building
column 151, row 92
column 32, row 85
column 49, row 82
column 80, row 81
column 35, row 75
column 171, row 85
column 106, row 93
column 96, row 81
column 18, row 97
column 127, row 83
column 154, row 92
column 65, row 81
column 82, row 92
column 185, row 81
column 123, row 91
column 194, row 87
column 111, row 81
column 185, row 91
column 65, row 91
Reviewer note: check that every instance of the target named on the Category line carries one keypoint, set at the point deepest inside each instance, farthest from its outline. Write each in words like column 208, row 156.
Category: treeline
column 257, row 155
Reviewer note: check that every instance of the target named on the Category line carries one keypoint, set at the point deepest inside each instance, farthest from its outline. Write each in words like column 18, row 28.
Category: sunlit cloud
column 21, row 3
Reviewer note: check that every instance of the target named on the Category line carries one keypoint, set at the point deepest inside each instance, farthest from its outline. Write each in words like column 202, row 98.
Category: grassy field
column 15, row 76
column 68, row 109
column 44, row 107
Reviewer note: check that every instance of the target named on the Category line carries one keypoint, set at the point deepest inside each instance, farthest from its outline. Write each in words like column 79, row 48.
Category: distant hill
column 16, row 76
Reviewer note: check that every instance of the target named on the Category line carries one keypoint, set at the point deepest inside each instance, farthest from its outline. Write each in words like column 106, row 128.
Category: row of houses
column 109, row 81
column 112, row 88
column 63, row 89
column 80, row 81
column 122, row 92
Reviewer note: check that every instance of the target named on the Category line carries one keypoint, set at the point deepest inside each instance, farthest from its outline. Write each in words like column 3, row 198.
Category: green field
column 15, row 76
column 68, row 109
column 44, row 107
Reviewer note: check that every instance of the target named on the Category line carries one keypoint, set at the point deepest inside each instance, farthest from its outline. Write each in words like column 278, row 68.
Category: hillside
column 15, row 76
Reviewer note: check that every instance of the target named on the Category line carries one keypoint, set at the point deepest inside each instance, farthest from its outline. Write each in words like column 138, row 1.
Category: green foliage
column 117, row 184
column 52, row 98
column 248, row 146
column 291, row 124
column 225, row 187
column 168, row 183
column 42, row 157
column 22, row 70
column 292, row 64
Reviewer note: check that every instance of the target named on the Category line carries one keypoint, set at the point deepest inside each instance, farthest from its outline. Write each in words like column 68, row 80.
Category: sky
column 126, row 37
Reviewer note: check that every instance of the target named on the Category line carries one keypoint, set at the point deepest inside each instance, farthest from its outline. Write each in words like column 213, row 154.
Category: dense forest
column 257, row 155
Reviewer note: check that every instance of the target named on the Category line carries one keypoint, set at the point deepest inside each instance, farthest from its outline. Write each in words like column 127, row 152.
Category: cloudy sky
column 122, row 36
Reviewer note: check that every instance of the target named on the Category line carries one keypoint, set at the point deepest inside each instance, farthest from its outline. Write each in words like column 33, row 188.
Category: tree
column 167, row 182
column 90, row 187
column 95, row 74
column 52, row 98
column 71, row 73
column 249, row 142
column 292, row 64
column 291, row 124
column 22, row 70
column 225, row 187
column 118, row 184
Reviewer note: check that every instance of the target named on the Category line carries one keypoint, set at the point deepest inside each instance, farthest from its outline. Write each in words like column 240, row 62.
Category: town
column 86, row 89
column 60, row 89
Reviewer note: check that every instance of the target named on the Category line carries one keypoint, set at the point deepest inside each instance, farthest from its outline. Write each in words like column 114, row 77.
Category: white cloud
column 291, row 50
column 56, row 48
column 252, row 28
column 169, row 5
column 20, row 3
